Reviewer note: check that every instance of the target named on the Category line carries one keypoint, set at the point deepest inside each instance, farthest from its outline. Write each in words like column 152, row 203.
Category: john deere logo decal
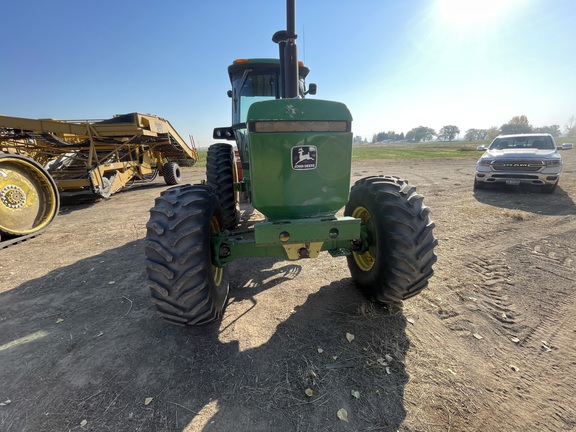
column 304, row 157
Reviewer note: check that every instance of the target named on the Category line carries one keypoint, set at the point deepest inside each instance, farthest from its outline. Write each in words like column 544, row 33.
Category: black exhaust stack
column 280, row 38
column 286, row 40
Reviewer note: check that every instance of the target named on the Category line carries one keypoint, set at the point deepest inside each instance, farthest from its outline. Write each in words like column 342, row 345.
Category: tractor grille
column 529, row 165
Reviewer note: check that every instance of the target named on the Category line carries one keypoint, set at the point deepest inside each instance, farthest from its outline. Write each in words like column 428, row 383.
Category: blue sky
column 396, row 64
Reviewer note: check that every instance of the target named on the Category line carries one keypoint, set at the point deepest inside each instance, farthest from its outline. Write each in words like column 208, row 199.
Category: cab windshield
column 251, row 88
column 255, row 86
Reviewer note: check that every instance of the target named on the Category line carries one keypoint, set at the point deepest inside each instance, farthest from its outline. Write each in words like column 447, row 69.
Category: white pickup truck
column 529, row 159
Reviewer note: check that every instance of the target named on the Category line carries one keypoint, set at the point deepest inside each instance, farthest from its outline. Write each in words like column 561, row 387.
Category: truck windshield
column 528, row 142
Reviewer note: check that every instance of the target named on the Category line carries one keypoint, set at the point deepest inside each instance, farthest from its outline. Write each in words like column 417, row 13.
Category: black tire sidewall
column 172, row 174
column 220, row 168
column 401, row 237
column 179, row 256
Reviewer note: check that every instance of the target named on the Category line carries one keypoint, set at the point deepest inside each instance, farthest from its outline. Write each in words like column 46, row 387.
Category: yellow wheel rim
column 217, row 272
column 28, row 200
column 235, row 179
column 365, row 260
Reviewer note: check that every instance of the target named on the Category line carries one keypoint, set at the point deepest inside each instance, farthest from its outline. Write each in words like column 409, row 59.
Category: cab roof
column 239, row 65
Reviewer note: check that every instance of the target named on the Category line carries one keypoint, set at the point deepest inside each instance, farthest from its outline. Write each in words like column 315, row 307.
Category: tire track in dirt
column 541, row 315
column 555, row 261
column 493, row 295
column 501, row 239
column 493, row 268
column 497, row 276
column 543, row 387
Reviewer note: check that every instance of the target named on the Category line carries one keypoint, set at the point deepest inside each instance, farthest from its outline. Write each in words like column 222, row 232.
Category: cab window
column 253, row 88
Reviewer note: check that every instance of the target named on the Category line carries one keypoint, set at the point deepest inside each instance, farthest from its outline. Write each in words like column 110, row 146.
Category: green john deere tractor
column 295, row 162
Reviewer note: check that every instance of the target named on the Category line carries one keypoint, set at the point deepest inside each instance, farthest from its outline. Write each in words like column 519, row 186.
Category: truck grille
column 518, row 165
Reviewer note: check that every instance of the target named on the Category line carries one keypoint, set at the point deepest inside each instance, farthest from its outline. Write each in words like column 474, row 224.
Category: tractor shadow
column 82, row 347
column 72, row 203
column 528, row 199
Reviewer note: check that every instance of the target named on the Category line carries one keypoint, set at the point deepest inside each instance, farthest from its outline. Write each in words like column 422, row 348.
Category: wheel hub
column 218, row 272
column 13, row 196
column 364, row 258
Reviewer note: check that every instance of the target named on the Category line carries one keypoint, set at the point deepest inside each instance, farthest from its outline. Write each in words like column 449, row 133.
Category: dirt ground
column 489, row 346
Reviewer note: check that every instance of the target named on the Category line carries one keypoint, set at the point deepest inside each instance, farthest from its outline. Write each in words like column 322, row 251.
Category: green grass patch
column 406, row 151
column 201, row 162
column 417, row 151
column 400, row 151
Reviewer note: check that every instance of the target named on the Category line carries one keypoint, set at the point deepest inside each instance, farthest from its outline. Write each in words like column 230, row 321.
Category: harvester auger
column 43, row 160
column 295, row 169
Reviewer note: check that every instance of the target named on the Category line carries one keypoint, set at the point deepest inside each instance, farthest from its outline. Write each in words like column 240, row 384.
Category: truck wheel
column 221, row 174
column 397, row 253
column 186, row 286
column 478, row 184
column 171, row 173
column 550, row 189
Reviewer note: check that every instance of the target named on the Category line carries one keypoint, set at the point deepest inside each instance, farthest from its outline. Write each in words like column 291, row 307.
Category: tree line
column 516, row 125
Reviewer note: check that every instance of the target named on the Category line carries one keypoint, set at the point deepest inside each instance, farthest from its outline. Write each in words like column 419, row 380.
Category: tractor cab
column 256, row 80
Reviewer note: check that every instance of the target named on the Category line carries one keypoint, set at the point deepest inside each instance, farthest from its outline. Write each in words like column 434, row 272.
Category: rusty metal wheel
column 29, row 199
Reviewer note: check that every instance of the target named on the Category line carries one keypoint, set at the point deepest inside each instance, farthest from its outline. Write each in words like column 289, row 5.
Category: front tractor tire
column 185, row 285
column 394, row 261
column 221, row 174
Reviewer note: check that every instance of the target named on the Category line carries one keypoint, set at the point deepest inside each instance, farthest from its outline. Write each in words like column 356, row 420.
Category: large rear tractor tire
column 186, row 286
column 29, row 199
column 172, row 174
column 397, row 253
column 221, row 174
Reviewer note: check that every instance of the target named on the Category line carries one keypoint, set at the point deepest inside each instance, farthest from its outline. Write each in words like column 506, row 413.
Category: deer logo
column 304, row 157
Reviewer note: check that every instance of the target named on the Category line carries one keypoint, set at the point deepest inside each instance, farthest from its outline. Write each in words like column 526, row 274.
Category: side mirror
column 481, row 147
column 567, row 146
column 312, row 89
column 229, row 93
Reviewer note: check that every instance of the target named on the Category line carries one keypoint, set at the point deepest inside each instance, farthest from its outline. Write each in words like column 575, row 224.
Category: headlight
column 552, row 162
column 484, row 161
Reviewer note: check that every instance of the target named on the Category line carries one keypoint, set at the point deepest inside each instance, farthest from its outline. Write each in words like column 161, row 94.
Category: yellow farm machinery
column 41, row 160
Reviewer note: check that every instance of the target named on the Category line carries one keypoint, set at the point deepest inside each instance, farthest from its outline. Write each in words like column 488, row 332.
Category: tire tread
column 178, row 262
column 405, row 239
